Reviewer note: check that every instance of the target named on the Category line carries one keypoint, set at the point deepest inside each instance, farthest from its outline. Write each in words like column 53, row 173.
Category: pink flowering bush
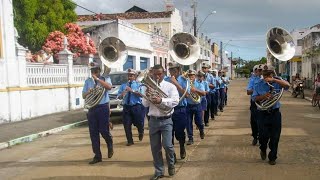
column 77, row 41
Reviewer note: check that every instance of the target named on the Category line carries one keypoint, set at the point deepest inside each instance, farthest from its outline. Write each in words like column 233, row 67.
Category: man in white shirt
column 160, row 123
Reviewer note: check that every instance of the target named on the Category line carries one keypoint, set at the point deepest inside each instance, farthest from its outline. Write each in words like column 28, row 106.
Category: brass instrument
column 154, row 91
column 281, row 46
column 113, row 53
column 193, row 96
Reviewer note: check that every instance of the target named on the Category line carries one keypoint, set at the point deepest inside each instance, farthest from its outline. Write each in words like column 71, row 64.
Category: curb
column 31, row 137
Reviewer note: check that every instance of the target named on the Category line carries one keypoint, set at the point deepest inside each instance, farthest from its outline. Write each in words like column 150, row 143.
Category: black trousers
column 254, row 120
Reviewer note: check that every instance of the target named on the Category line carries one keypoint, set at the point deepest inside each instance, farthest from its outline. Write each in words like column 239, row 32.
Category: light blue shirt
column 90, row 83
column 198, row 86
column 183, row 83
column 227, row 79
column 134, row 99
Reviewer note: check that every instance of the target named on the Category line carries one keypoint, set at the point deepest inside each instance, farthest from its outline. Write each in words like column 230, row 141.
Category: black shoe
column 171, row 171
column 155, row 177
column 221, row 110
column 201, row 134
column 140, row 137
column 254, row 141
column 190, row 142
column 206, row 124
column 212, row 118
column 110, row 152
column 130, row 143
column 95, row 160
column 263, row 155
column 216, row 114
column 183, row 153
column 272, row 162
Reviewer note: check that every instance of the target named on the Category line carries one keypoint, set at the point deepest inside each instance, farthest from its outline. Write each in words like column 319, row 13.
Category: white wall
column 176, row 22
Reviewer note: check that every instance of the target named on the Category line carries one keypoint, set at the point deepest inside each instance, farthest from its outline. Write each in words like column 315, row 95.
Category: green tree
column 35, row 19
column 263, row 60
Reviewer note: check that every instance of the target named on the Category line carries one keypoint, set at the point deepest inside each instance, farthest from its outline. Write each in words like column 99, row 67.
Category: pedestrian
column 208, row 77
column 270, row 119
column 227, row 80
column 133, row 110
column 98, row 116
column 194, row 109
column 253, row 107
column 179, row 116
column 160, row 123
column 221, row 90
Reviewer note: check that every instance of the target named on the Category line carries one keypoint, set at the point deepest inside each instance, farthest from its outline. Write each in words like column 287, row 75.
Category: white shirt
column 171, row 101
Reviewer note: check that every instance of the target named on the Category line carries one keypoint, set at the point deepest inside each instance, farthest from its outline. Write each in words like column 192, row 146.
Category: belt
column 131, row 105
column 270, row 111
column 161, row 117
column 179, row 107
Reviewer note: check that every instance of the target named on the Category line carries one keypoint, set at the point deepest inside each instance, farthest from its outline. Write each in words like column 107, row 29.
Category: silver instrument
column 113, row 53
column 281, row 46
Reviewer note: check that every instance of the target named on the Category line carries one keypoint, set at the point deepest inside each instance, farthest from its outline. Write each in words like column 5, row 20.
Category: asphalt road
column 225, row 153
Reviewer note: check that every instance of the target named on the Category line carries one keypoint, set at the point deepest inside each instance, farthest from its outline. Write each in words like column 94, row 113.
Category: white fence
column 57, row 74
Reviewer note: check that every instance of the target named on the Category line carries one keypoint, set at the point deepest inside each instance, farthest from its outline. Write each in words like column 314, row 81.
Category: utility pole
column 194, row 6
column 231, row 66
column 221, row 55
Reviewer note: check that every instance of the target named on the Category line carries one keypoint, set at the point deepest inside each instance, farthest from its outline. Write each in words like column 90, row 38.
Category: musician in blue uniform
column 194, row 109
column 209, row 96
column 227, row 79
column 204, row 102
column 179, row 116
column 253, row 108
column 133, row 110
column 270, row 119
column 98, row 116
column 221, row 91
column 216, row 97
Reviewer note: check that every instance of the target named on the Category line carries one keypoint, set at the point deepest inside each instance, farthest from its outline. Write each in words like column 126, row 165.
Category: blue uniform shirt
column 261, row 88
column 218, row 79
column 183, row 83
column 222, row 84
column 227, row 79
column 198, row 86
column 90, row 83
column 134, row 99
column 206, row 87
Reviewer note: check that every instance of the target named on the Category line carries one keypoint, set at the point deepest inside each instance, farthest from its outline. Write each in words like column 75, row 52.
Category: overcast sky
column 244, row 22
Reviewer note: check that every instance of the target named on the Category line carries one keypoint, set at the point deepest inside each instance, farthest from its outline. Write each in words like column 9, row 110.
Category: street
column 225, row 153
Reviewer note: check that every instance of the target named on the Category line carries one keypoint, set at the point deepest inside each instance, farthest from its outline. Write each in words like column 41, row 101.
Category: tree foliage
column 247, row 66
column 35, row 19
column 78, row 42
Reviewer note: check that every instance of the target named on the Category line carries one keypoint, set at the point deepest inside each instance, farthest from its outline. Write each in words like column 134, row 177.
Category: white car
column 117, row 78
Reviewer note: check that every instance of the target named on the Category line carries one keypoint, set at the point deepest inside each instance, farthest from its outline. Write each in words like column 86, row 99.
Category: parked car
column 117, row 78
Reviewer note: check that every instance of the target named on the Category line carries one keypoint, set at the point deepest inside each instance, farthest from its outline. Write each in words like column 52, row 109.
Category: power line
column 82, row 7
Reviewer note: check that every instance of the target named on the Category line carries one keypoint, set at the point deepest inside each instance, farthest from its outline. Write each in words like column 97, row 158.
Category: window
column 161, row 61
column 155, row 60
column 299, row 42
column 201, row 50
column 143, row 63
column 129, row 63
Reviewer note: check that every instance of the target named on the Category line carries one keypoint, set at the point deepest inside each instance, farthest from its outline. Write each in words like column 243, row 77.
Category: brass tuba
column 155, row 91
column 281, row 46
column 185, row 50
column 112, row 53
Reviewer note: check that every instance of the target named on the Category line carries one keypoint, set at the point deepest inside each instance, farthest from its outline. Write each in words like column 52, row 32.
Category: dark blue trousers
column 210, row 100
column 215, row 104
column 133, row 115
column 194, row 111
column 180, row 121
column 98, row 118
column 221, row 98
column 254, row 120
column 226, row 97
column 269, row 131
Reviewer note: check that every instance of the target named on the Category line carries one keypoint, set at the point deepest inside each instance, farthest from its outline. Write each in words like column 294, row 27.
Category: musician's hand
column 128, row 89
column 193, row 89
column 174, row 80
column 156, row 100
column 267, row 96
column 94, row 77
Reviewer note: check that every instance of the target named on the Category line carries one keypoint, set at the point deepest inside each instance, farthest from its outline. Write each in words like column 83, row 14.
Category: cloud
column 244, row 21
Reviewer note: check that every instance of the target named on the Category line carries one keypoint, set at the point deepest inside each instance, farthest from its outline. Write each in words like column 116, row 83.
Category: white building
column 160, row 25
column 30, row 90
column 137, row 41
